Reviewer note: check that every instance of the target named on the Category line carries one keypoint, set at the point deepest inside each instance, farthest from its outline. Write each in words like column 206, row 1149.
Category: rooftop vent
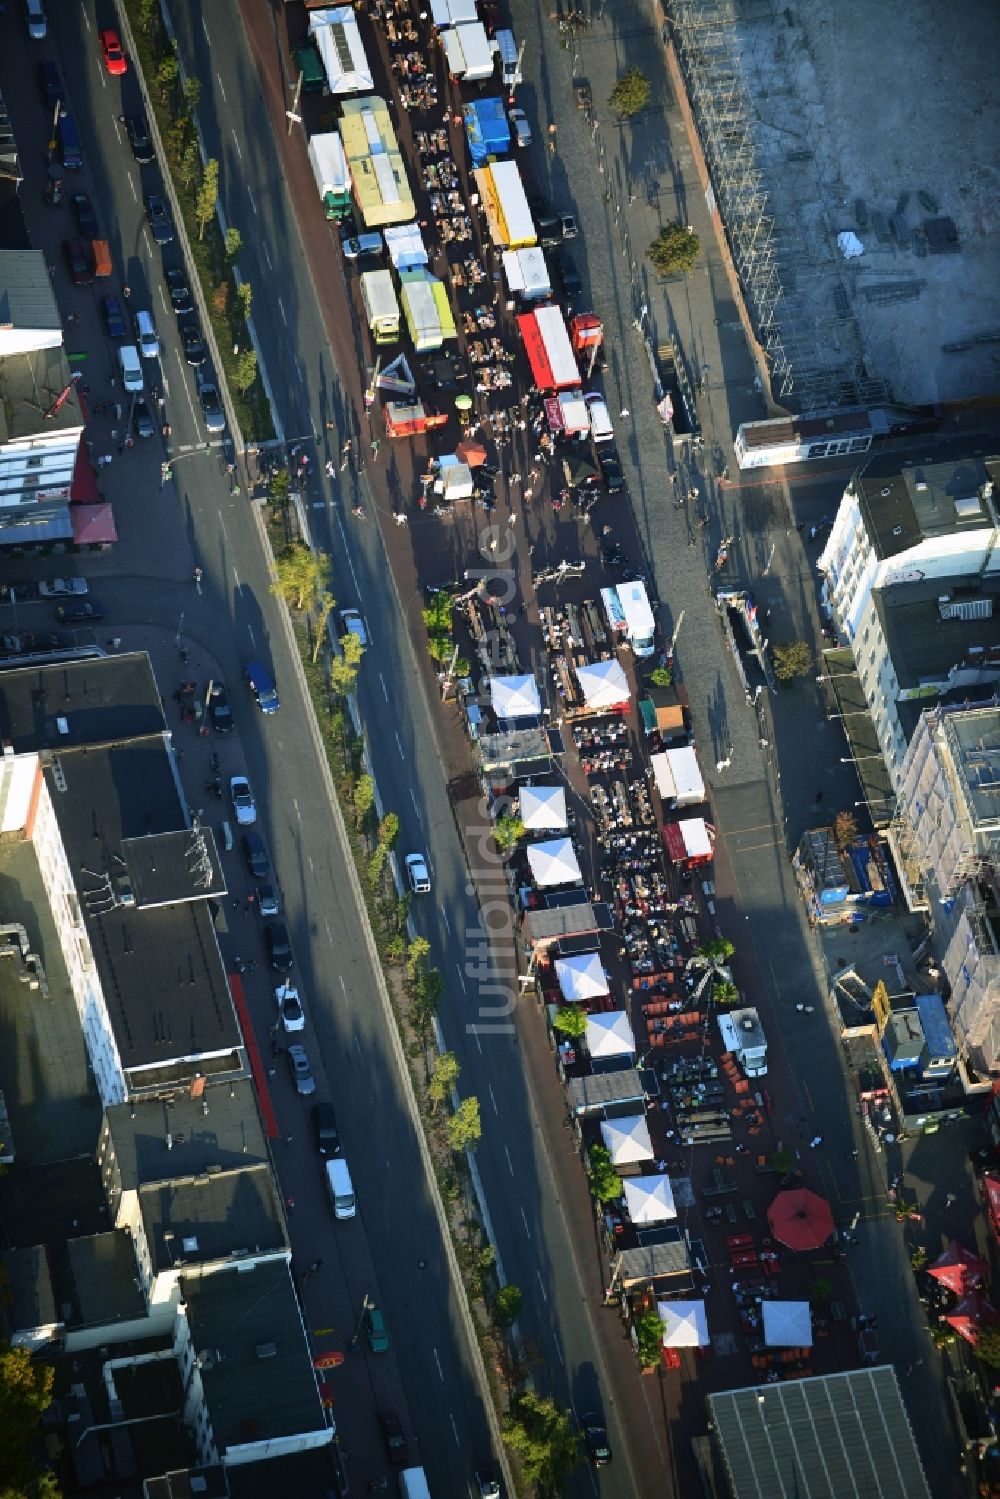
column 190, row 1246
column 897, row 530
column 62, row 724
column 885, row 492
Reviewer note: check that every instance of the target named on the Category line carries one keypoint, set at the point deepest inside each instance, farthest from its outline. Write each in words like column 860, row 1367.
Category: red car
column 114, row 58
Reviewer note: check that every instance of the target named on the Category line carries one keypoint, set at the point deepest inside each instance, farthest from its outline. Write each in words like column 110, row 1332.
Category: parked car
column 114, row 318
column 302, row 1073
column 324, row 1128
column 279, row 949
column 146, row 337
column 268, row 900
column 290, row 1011
column 595, row 1435
column 211, row 407
column 111, row 49
column 418, row 874
column 181, row 299
column 63, row 588
column 83, row 213
column 241, row 797
column 79, row 612
column 394, row 1438
column 375, row 1329
column 220, row 714
column 158, row 215
column 193, row 343
column 255, row 856
column 50, row 84
column 142, row 419
column 488, row 1486
column 351, row 623
column 261, row 684
column 568, row 225
column 78, row 262
column 138, row 138
column 519, row 127
column 568, row 275
column 611, row 471
column 34, row 16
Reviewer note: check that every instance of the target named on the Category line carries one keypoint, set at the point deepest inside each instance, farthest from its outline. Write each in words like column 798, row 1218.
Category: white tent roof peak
column 685, row 1324
column 603, row 684
column 554, row 863
column 582, row 976
column 543, row 807
column 787, row 1324
column 627, row 1140
column 515, row 697
column 649, row 1199
column 610, row 1035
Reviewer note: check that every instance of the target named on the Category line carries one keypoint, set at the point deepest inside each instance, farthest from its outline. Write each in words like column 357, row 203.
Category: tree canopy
column 792, row 658
column 605, row 1183
column 545, row 1440
column 630, row 94
column 674, row 250
column 25, row 1394
column 465, row 1128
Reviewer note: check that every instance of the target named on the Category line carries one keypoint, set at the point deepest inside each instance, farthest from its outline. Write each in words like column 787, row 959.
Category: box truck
column 329, row 165
column 381, row 307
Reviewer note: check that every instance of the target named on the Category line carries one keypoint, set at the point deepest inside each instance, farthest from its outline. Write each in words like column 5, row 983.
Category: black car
column 194, row 346
column 79, row 612
column 611, row 472
column 219, row 712
column 549, row 230
column 78, row 262
column 138, row 139
column 596, row 1437
column 324, row 1128
column 569, row 275
column 51, row 85
column 158, row 215
column 255, row 856
column 86, row 218
column 142, row 420
column 114, row 318
column 279, row 949
column 180, row 293
column 394, row 1438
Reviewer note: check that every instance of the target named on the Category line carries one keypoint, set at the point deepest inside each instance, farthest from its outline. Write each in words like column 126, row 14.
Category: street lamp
column 856, row 759
column 852, row 713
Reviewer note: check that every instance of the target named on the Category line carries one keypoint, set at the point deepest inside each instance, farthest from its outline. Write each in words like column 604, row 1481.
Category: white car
column 418, row 874
column 290, row 1008
column 243, row 803
column 519, row 125
column 63, row 588
column 351, row 623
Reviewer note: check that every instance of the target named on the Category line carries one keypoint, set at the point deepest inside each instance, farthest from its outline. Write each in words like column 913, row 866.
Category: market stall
column 487, row 129
column 405, row 244
column 542, row 807
column 627, row 1140
column 649, row 1200
column 801, row 1219
column 550, row 353
column 604, row 686
column 609, row 1037
column 338, row 42
column 554, row 863
column 958, row 1269
column 515, row 697
column 690, row 841
column 685, row 1324
column 503, row 199
column 787, row 1324
column 582, row 976
column 526, row 274
column 678, row 777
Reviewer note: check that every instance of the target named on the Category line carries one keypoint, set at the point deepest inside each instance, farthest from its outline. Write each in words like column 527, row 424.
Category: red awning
column 991, row 1192
column 674, row 841
column 800, row 1219
column 93, row 525
column 972, row 1313
column 83, row 488
column 958, row 1269
column 534, row 347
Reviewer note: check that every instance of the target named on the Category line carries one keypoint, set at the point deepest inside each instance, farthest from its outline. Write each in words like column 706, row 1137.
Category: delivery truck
column 329, row 165
column 628, row 613
column 381, row 307
column 743, row 1035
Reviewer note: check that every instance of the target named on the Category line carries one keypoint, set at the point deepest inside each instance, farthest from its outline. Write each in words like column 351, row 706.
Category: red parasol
column 958, row 1269
column 472, row 453
column 972, row 1313
column 800, row 1219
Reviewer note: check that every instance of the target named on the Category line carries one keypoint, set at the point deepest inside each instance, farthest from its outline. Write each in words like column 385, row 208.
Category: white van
column 413, row 1484
column 147, row 336
column 601, row 429
column 130, row 366
column 340, row 1188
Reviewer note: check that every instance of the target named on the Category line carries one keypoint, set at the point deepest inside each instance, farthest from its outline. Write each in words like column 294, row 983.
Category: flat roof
column 824, row 1437
column 105, row 1279
column 26, row 296
column 256, row 1367
column 195, row 1220
column 973, row 736
column 194, row 1483
column 28, row 1300
column 167, row 867
column 220, row 1128
column 30, row 384
column 167, row 993
column 97, row 700
column 923, row 643
column 599, row 1090
column 911, row 496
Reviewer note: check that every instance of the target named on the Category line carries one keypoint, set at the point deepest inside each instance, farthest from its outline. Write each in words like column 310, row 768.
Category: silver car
column 301, row 1071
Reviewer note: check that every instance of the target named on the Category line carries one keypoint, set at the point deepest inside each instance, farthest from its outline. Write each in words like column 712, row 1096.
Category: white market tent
column 574, row 412
column 454, row 480
column 515, row 697
column 678, row 778
column 627, row 1140
column 582, row 976
column 338, row 40
column 543, row 807
column 649, row 1199
column 697, row 840
column 685, row 1324
column 405, row 244
column 610, row 1035
column 527, row 273
column 787, row 1324
column 554, row 863
column 453, row 12
column 603, row 684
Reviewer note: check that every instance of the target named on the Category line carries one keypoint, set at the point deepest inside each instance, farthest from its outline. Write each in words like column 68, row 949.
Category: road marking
column 399, row 743
column 438, row 1362
column 87, row 19
column 236, row 143
column 163, row 299
column 559, row 1350
column 298, row 367
column 222, row 528
column 492, row 1099
column 222, row 87
column 253, row 200
column 187, row 393
column 413, row 799
column 135, row 195
column 458, row 970
column 454, row 1428
column 204, row 27
column 342, row 984
column 510, row 1163
column 444, row 915
column 267, row 257
column 475, row 1037
column 326, row 923
column 236, row 579
column 296, row 806
column 524, row 1220
column 385, row 690
column 388, row 1164
column 311, row 864
column 284, row 314
column 541, row 1286
column 253, row 638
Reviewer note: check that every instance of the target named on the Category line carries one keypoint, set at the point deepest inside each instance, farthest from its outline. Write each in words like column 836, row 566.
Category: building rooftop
column 974, row 740
column 192, row 1483
column 30, row 384
column 162, row 1139
column 105, row 1279
column 927, row 637
column 200, row 1219
column 71, row 703
column 27, row 300
column 827, row 1436
column 909, row 497
column 28, row 1301
column 256, row 1368
column 162, row 975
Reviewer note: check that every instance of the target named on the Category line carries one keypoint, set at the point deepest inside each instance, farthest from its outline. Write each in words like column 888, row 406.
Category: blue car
column 261, row 684
column 114, row 319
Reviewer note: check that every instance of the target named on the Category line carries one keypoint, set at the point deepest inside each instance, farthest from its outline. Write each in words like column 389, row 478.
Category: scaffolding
column 791, row 280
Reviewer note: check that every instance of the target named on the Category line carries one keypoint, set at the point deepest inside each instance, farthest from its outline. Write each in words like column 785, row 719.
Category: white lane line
column 87, row 19
column 118, row 134
column 559, row 1350
column 298, row 367
column 399, row 743
column 413, row 799
column 475, row 1037
column 236, row 579
column 492, row 1099
column 222, row 528
column 343, row 986
column 284, row 314
column 326, row 923
column 187, row 393
column 135, row 195
column 438, row 1362
column 222, row 87
column 444, row 918
column 204, row 27
column 253, row 638
column 267, row 256
column 236, row 143
column 311, row 864
column 347, row 553
column 296, row 806
column 166, row 382
column 461, row 975
column 454, row 1428
column 163, row 299
column 541, row 1286
column 385, row 690
column 510, row 1163
column 253, row 200
column 388, row 1164
column 524, row 1220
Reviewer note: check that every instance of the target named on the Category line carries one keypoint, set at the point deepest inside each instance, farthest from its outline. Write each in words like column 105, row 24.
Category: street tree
column 207, row 195
column 166, row 78
column 324, row 609
column 570, row 1021
column 465, row 1128
column 192, row 93
column 507, row 1306
column 344, row 667
column 301, row 576
column 845, row 829
column 279, row 487
column 376, row 864
column 245, row 372
column 425, row 1001
column 388, row 830
column 649, row 1337
column 25, row 1394
column 782, row 1162
column 716, row 953
column 234, row 243
column 437, row 618
column 661, row 676
column 630, row 94
column 364, row 798
column 605, row 1183
column 149, row 10
column 508, row 832
column 416, row 956
column 725, row 993
column 792, row 658
column 245, row 294
column 545, row 1441
column 820, row 1290
column 189, row 164
column 444, row 1079
column 674, row 250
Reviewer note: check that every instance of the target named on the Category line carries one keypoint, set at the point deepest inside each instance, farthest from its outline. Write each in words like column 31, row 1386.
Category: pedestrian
column 950, row 1200
column 274, row 1050
column 625, row 411
column 288, row 1139
column 290, row 1204
column 331, row 468
column 126, row 292
column 812, row 533
column 815, row 1142
column 316, row 1265
column 330, row 426
column 852, row 1155
column 800, row 527
column 236, row 903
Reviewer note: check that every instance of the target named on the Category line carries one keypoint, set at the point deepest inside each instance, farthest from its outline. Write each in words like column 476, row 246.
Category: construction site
column 852, row 149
